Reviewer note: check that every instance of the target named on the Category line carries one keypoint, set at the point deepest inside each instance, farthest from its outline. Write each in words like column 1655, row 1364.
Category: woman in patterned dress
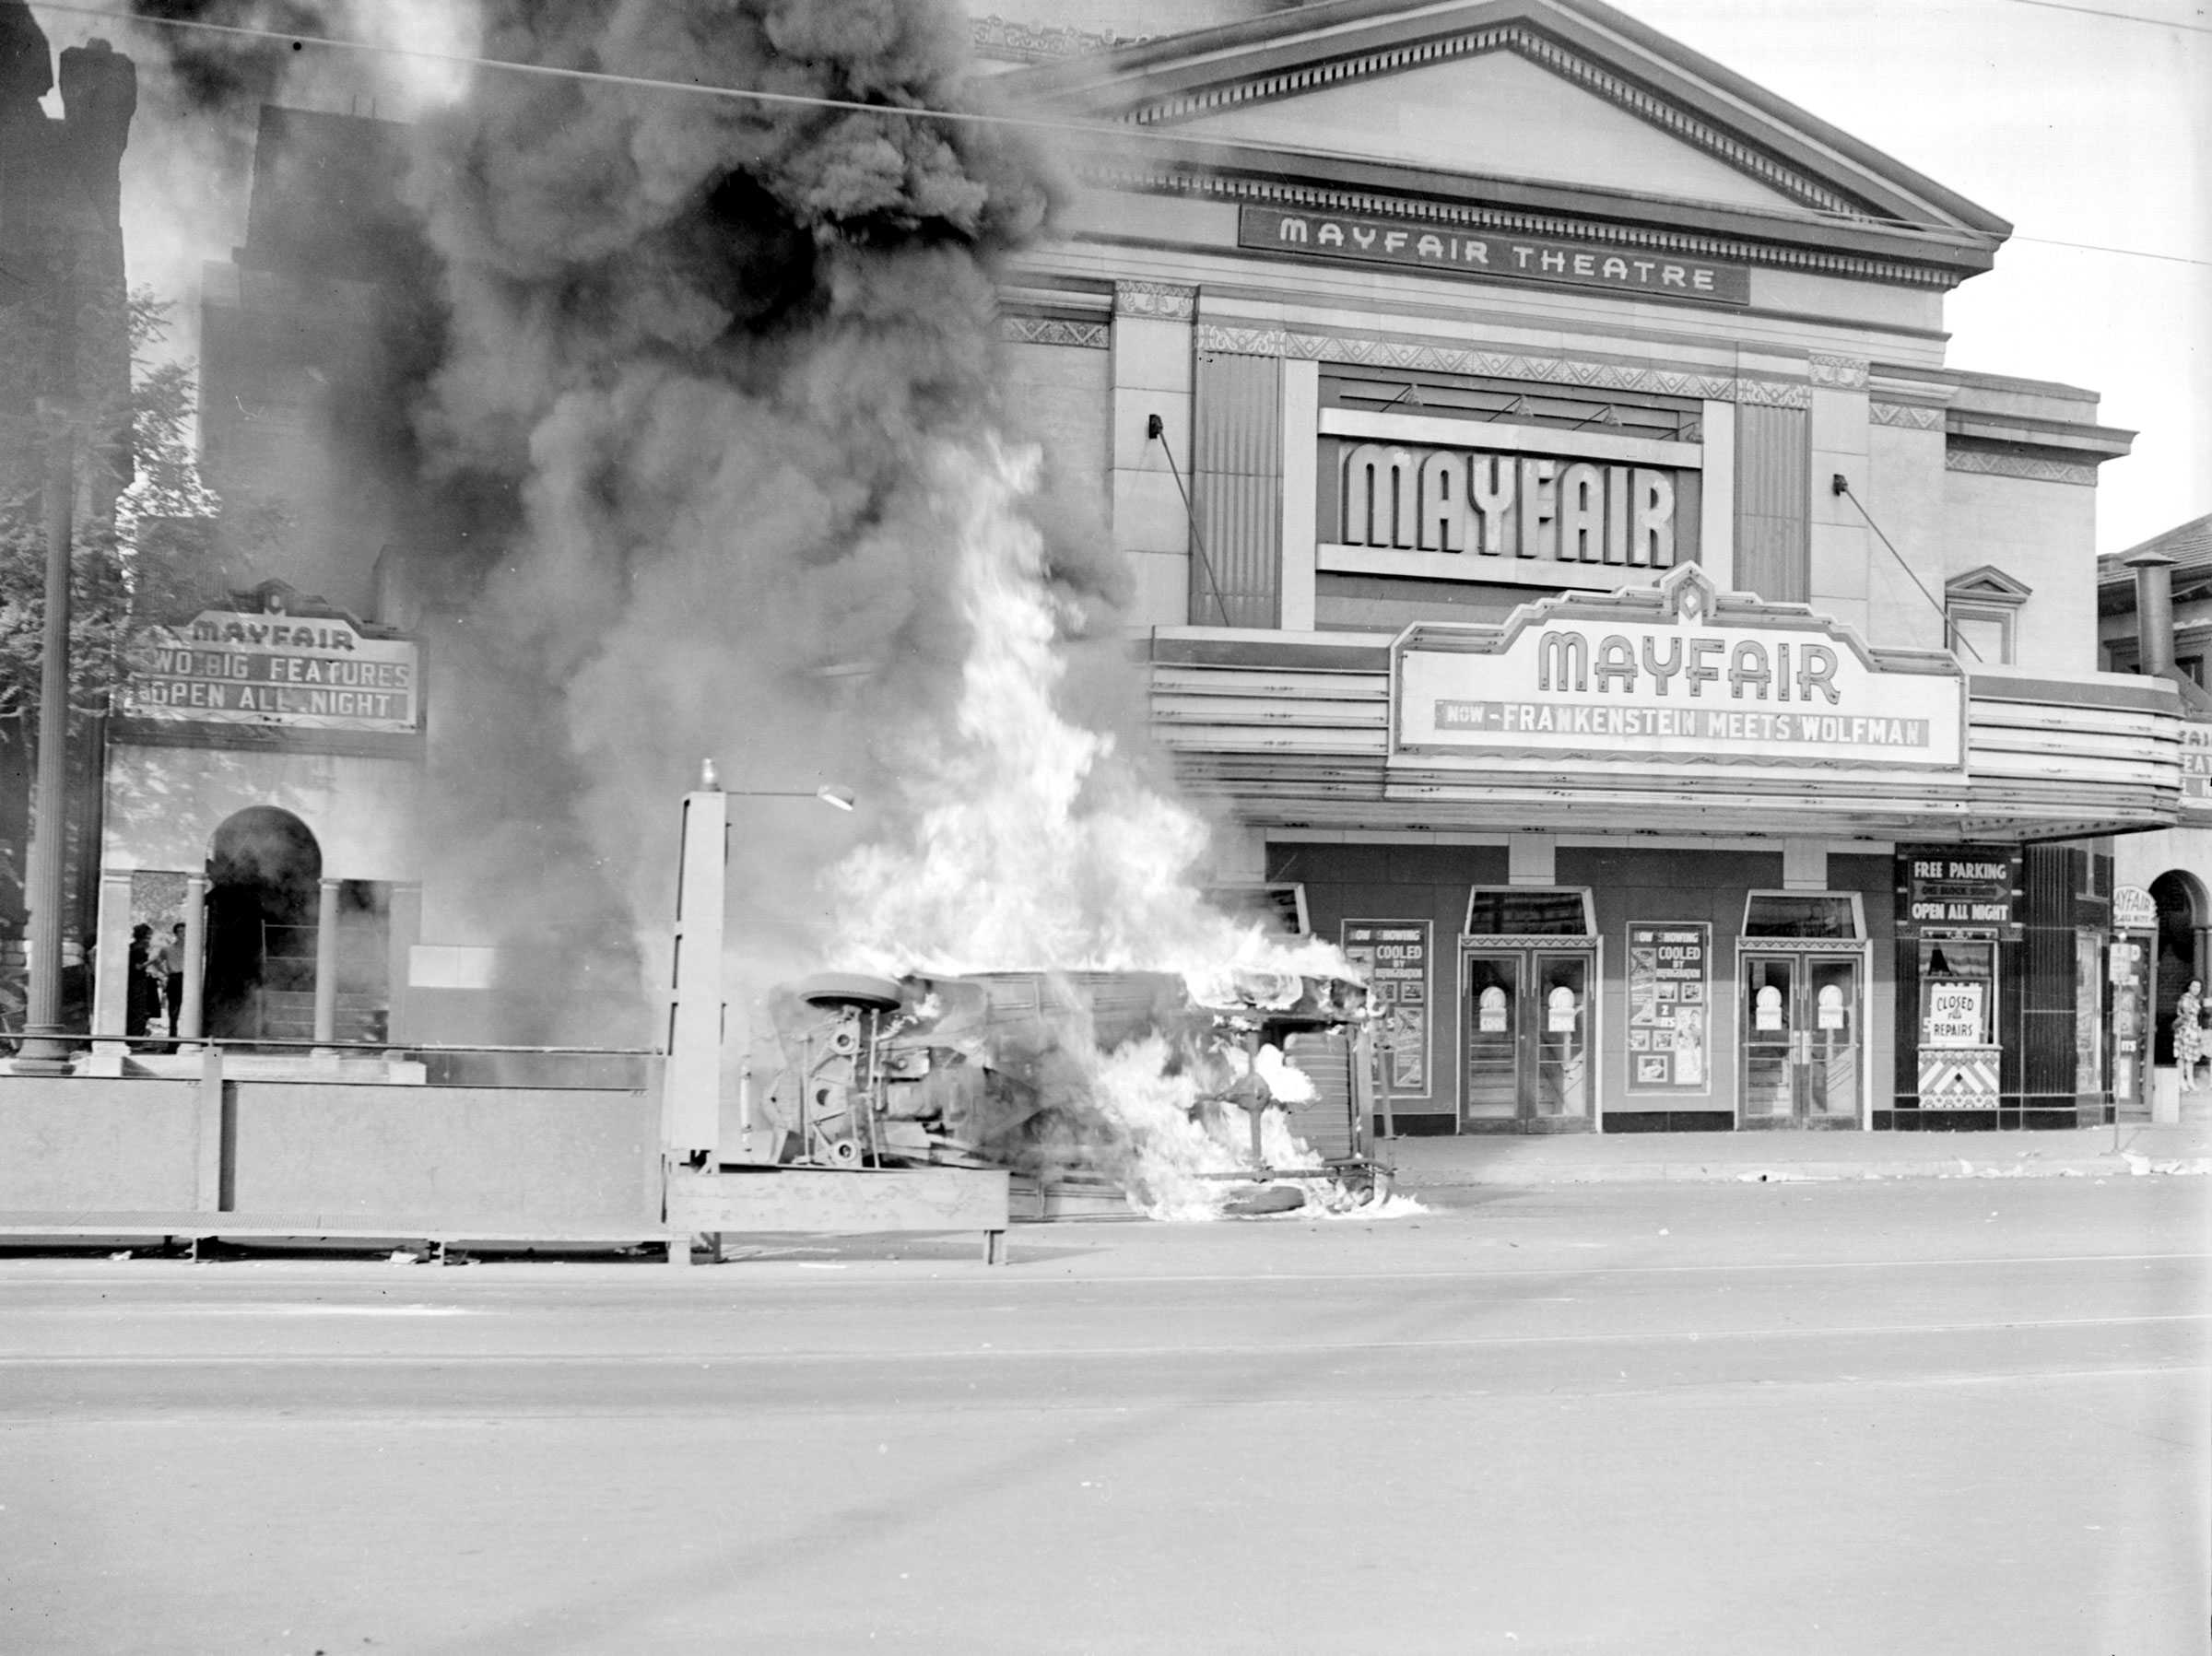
column 2189, row 1033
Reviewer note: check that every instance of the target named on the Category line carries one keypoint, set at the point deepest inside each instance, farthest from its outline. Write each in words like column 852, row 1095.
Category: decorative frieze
column 1244, row 342
column 1163, row 302
column 1416, row 358
column 1031, row 42
column 2036, row 468
column 1773, row 393
column 1910, row 417
column 1053, row 330
column 1839, row 374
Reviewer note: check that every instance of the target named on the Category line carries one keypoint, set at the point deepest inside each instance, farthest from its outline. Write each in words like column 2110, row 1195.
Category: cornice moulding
column 1196, row 179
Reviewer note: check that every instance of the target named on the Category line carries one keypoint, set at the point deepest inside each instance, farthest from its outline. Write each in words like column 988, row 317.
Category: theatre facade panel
column 1583, row 587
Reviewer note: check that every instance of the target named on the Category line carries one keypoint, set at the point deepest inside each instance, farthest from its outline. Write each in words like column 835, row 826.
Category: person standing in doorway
column 142, row 1000
column 2189, row 1033
column 172, row 965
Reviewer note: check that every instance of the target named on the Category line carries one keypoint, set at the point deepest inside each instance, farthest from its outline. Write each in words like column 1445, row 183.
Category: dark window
column 1538, row 910
column 1800, row 914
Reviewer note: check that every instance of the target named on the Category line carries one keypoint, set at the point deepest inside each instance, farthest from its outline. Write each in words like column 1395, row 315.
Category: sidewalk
column 2130, row 1149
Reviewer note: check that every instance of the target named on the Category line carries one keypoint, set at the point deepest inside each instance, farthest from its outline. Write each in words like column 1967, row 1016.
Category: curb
column 2105, row 1167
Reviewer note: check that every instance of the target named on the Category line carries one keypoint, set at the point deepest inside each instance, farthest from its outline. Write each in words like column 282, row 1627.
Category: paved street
column 1958, row 1417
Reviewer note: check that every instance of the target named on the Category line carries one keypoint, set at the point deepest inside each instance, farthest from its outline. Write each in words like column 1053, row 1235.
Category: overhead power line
column 557, row 72
column 2116, row 17
column 995, row 118
column 2125, row 252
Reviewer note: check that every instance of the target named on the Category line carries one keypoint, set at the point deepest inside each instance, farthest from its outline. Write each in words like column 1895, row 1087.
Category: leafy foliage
column 145, row 527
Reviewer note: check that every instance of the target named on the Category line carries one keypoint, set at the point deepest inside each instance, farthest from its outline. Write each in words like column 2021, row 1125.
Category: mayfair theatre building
column 1597, row 605
column 1563, row 556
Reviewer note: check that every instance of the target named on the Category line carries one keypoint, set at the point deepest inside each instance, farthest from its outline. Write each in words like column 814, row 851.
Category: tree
column 147, row 560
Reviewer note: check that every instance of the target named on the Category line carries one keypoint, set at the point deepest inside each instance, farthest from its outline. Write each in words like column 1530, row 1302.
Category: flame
column 1036, row 844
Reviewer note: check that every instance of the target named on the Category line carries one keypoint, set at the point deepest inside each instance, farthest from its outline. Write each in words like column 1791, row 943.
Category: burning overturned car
column 1175, row 1096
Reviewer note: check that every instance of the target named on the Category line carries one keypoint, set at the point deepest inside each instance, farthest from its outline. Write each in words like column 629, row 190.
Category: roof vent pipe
column 2154, row 613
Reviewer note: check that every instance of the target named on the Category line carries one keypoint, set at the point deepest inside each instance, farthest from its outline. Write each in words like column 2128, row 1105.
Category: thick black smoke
column 709, row 345
column 659, row 423
column 229, row 71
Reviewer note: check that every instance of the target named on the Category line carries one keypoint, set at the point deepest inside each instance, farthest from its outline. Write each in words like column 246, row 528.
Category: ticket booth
column 1528, row 973
column 1956, row 906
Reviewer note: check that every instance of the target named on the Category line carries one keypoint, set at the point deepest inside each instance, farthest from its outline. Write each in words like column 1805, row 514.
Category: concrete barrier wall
column 537, row 1156
column 67, row 1144
column 536, row 1159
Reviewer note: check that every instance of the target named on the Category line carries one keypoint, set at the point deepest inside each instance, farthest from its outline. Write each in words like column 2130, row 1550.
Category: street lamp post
column 691, row 1080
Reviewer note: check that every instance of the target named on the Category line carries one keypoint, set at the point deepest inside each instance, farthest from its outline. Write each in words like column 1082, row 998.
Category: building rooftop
column 2190, row 547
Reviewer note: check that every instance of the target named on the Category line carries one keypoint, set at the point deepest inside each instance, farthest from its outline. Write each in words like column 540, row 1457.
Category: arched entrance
column 264, row 878
column 2185, row 914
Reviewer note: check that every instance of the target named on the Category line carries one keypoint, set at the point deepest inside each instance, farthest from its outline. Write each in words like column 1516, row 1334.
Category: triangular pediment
column 1989, row 584
column 1565, row 104
column 1502, row 114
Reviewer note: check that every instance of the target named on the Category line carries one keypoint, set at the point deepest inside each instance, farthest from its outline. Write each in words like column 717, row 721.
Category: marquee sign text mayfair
column 1667, row 679
column 234, row 667
column 1506, row 506
column 1451, row 251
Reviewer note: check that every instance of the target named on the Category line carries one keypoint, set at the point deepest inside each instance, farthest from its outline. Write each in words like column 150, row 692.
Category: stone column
column 196, row 959
column 111, row 964
column 327, row 962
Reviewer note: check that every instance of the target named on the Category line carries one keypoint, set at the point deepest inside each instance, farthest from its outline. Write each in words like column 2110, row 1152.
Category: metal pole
column 43, row 1051
column 1385, row 1055
column 691, row 1080
column 327, row 962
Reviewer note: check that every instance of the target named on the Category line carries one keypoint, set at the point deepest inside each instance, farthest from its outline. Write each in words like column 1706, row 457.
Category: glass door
column 1563, row 1078
column 1804, row 1050
column 1526, row 1022
column 1829, row 1093
column 1769, row 1038
column 1493, row 1037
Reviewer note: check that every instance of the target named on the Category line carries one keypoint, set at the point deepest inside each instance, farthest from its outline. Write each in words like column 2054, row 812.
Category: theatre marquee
column 1678, row 675
column 239, row 668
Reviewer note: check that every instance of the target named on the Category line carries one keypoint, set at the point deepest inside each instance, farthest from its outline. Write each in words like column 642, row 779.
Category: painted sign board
column 1954, row 1016
column 1489, row 256
column 1669, row 1016
column 1959, row 890
column 2134, row 909
column 1678, row 675
column 1399, row 958
column 2197, row 764
column 242, row 667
